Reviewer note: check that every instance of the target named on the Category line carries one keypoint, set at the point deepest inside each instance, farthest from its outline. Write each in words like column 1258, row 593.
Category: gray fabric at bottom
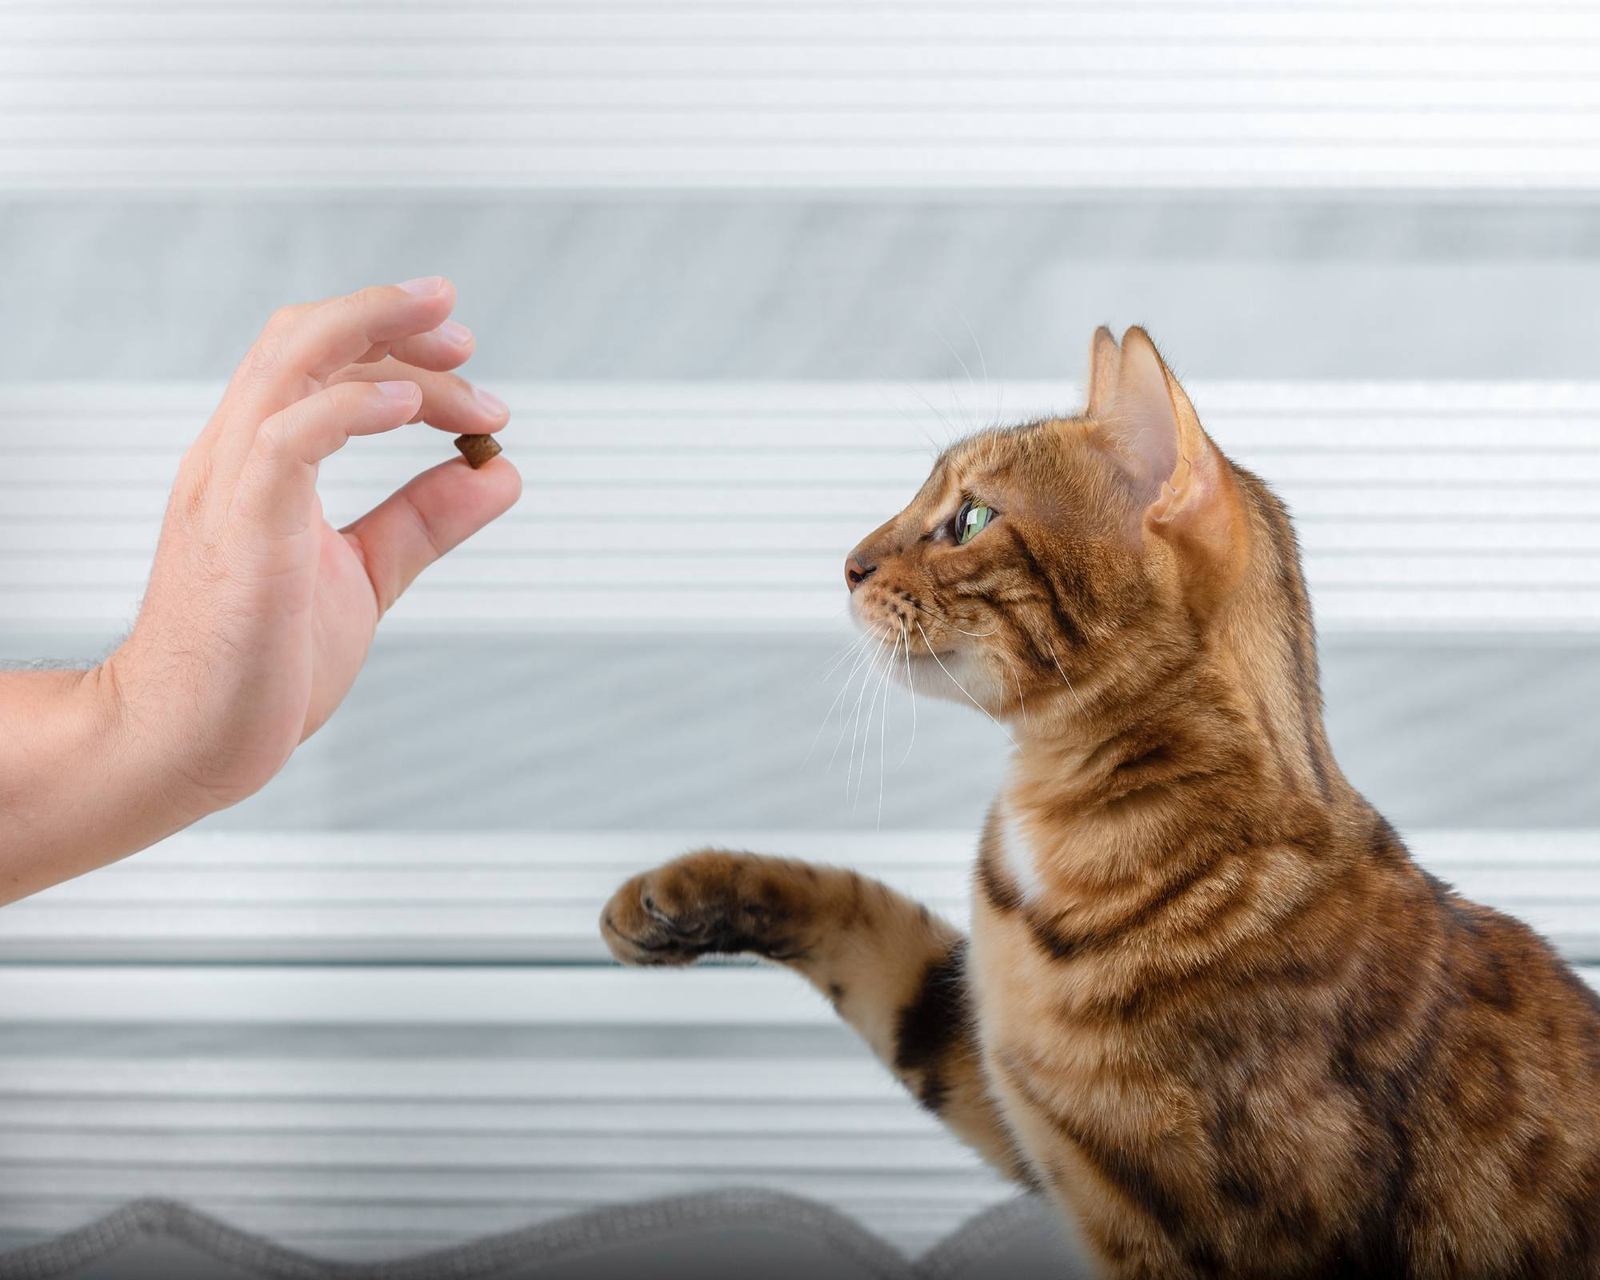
column 717, row 1235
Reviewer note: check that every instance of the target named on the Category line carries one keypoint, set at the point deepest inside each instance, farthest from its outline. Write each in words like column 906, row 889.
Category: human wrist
column 76, row 792
column 137, row 743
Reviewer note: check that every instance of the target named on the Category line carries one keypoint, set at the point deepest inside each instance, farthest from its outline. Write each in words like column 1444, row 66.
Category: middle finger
column 448, row 402
column 446, row 347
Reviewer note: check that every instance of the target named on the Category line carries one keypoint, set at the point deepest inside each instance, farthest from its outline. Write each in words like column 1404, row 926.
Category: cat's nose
column 855, row 573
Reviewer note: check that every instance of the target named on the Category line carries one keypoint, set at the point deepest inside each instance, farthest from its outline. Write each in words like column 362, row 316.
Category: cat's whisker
column 854, row 722
column 972, row 420
column 982, row 363
column 883, row 727
column 911, row 685
column 910, row 417
column 866, row 739
column 838, row 698
column 1070, row 689
column 856, row 648
column 845, row 719
column 855, row 717
column 955, row 431
column 963, row 688
column 837, row 655
column 880, row 689
column 836, row 660
column 1020, row 699
column 976, row 635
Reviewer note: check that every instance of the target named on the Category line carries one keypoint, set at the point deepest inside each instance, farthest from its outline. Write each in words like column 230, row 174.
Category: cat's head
column 1065, row 554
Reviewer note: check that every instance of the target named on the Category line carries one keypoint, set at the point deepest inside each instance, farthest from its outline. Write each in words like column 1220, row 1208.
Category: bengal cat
column 1209, row 1004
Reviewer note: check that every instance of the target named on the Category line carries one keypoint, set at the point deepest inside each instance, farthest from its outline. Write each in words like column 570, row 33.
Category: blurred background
column 741, row 268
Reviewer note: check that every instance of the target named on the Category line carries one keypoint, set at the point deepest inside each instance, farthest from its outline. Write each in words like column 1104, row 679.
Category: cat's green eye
column 971, row 521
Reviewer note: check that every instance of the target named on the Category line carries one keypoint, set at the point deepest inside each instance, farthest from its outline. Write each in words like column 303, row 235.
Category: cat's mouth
column 907, row 635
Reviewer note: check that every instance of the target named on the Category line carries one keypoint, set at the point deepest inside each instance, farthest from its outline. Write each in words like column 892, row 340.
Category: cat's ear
column 1183, row 487
column 1103, row 361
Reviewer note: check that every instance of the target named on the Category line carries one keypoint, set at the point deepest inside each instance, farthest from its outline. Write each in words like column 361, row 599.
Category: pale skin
column 258, row 614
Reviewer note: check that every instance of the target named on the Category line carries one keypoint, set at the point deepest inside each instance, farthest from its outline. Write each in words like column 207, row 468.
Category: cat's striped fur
column 1209, row 1003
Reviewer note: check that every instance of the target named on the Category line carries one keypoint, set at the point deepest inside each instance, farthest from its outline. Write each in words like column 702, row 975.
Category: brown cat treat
column 478, row 449
column 1209, row 1005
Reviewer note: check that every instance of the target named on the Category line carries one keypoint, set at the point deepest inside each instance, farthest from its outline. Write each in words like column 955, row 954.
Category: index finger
column 305, row 345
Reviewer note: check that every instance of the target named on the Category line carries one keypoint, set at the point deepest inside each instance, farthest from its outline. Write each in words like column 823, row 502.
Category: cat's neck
column 1222, row 740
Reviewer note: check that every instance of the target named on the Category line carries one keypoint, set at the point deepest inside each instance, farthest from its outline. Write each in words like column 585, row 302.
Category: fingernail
column 424, row 287
column 457, row 335
column 399, row 390
column 493, row 403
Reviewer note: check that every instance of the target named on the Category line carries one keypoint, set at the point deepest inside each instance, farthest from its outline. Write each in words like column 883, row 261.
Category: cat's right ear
column 1105, row 358
column 1183, row 489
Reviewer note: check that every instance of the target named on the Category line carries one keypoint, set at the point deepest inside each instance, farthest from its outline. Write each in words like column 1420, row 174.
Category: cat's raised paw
column 706, row 903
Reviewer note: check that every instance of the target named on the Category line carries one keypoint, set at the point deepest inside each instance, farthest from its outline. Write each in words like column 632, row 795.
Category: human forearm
column 81, row 784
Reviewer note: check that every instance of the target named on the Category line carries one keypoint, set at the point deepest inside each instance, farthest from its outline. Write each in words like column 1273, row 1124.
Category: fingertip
column 496, row 412
column 513, row 481
column 493, row 490
column 426, row 286
column 400, row 389
column 435, row 296
column 499, row 477
column 440, row 349
column 457, row 336
column 398, row 400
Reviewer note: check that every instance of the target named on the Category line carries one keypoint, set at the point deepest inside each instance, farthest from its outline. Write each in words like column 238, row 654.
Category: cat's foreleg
column 895, row 972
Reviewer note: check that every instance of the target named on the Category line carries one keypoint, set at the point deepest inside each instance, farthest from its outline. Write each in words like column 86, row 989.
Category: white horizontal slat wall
column 535, row 896
column 909, row 94
column 1421, row 506
column 362, row 1042
column 377, row 1139
column 414, row 1107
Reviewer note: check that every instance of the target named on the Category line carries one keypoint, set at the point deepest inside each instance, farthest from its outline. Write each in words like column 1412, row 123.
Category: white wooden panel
column 715, row 506
column 908, row 94
column 532, row 896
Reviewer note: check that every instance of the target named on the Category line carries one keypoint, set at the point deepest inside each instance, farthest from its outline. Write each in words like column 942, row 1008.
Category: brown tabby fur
column 1209, row 1003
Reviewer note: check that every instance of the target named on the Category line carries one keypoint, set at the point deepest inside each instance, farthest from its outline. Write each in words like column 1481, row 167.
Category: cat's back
column 1379, row 1077
column 1505, row 1122
column 1464, row 1055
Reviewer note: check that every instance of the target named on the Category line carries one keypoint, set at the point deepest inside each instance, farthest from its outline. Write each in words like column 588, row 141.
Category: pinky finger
column 277, row 487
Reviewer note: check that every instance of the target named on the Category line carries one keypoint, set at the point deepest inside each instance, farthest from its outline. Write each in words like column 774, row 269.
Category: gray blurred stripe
column 702, row 732
column 742, row 287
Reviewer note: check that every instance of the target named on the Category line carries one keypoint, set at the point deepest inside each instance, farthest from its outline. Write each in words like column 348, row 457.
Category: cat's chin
column 953, row 675
column 920, row 672
column 957, row 674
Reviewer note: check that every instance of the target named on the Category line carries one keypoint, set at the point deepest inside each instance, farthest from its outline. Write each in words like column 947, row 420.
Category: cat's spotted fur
column 1209, row 1003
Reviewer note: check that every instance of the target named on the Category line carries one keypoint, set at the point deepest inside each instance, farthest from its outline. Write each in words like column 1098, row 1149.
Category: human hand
column 258, row 613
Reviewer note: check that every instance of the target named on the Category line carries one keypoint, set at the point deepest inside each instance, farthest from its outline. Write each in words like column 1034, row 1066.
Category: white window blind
column 385, row 1031
column 907, row 94
column 534, row 896
column 363, row 1042
column 714, row 506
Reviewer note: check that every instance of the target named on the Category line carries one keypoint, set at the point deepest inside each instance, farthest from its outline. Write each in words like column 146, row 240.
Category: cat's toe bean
column 671, row 915
column 636, row 932
column 683, row 909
